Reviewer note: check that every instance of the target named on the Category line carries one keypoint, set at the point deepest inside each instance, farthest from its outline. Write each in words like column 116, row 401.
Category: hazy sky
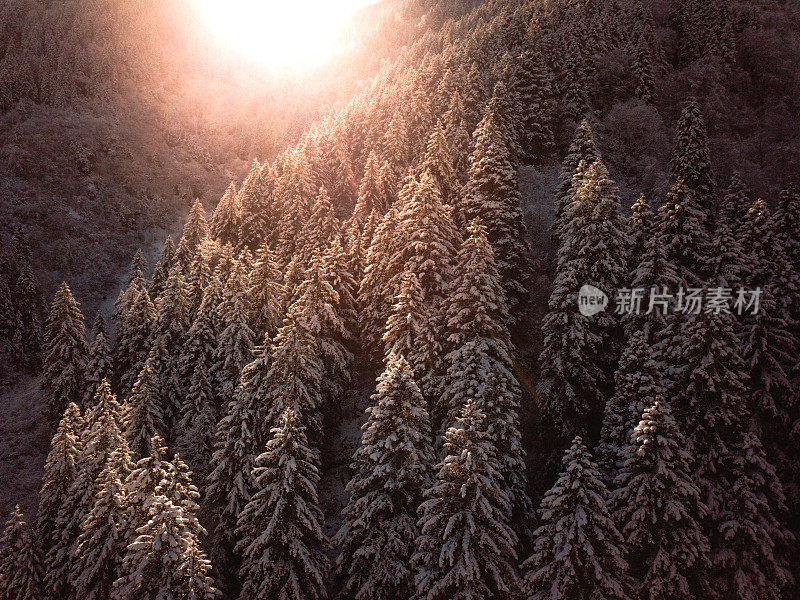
column 291, row 34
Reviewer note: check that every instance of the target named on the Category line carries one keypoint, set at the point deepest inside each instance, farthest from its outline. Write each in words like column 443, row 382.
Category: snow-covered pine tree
column 637, row 387
column 755, row 234
column 162, row 268
column 492, row 194
column 138, row 265
column 195, row 231
column 258, row 207
column 60, row 471
column 101, row 437
column 752, row 544
column 64, row 354
column 466, row 547
column 534, row 85
column 264, row 294
column 315, row 303
column 578, row 551
column 144, row 416
column 20, row 561
column 657, row 508
column 438, row 163
column 201, row 339
column 229, row 483
column 280, row 529
column 140, row 485
column 581, row 154
column 225, row 223
column 134, row 328
column 580, row 353
column 322, row 225
column 234, row 346
column 98, row 365
column 690, row 160
column 198, row 421
column 643, row 71
column 196, row 283
column 103, row 538
column 392, row 467
column 164, row 560
column 336, row 267
column 678, row 227
column 293, row 380
column 370, row 195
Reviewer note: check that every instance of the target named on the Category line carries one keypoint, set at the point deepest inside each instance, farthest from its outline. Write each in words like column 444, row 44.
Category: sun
column 283, row 35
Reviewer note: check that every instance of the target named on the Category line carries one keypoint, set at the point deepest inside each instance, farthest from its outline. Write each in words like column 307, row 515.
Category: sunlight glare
column 293, row 34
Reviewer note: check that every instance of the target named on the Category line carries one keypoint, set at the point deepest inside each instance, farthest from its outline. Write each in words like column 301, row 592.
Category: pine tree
column 194, row 233
column 60, row 471
column 264, row 294
column 466, row 547
column 164, row 561
column 102, row 540
column 391, row 467
column 690, row 160
column 643, row 71
column 637, row 387
column 534, row 84
column 229, row 484
column 315, row 303
column 234, row 346
column 293, row 380
column 138, row 265
column 438, row 163
column 148, row 473
column 492, row 195
column 679, row 229
column 258, row 207
column 337, row 271
column 144, row 415
column 581, row 352
column 322, row 225
column 20, row 562
column 658, row 509
column 225, row 223
column 750, row 555
column 370, row 194
column 65, row 353
column 201, row 339
column 578, row 551
column 280, row 529
column 134, row 328
column 196, row 281
column 162, row 268
column 198, row 422
column 98, row 366
column 581, row 155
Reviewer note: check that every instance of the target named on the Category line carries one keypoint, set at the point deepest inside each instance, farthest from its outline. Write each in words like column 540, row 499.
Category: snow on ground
column 24, row 442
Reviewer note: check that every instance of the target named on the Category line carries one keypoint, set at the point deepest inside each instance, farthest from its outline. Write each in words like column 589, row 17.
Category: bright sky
column 288, row 34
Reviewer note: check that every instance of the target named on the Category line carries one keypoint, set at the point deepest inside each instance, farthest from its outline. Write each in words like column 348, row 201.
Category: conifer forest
column 485, row 300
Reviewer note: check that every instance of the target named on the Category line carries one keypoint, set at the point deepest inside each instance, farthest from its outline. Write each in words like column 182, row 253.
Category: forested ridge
column 394, row 259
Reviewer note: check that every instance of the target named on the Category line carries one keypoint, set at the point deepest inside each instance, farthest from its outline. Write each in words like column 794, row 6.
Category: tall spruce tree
column 280, row 529
column 264, row 294
column 60, row 471
column 534, row 84
column 98, row 365
column 492, row 194
column 65, row 353
column 657, row 508
column 580, row 352
column 466, row 547
column 691, row 162
column 104, row 534
column 198, row 422
column 195, row 231
column 144, row 416
column 134, row 328
column 392, row 467
column 225, row 223
column 578, row 551
column 20, row 561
